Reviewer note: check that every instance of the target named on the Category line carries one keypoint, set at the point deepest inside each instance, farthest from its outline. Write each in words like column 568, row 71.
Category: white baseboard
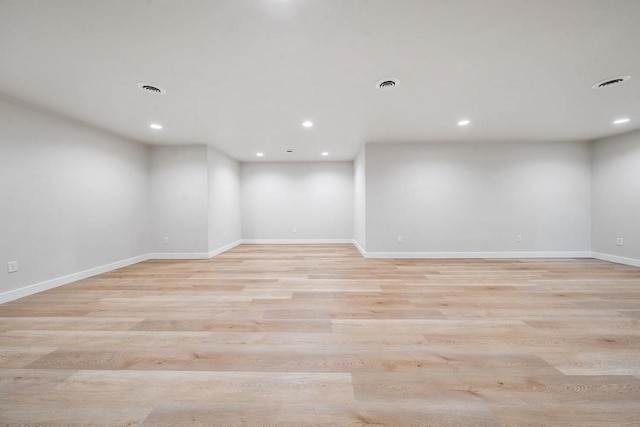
column 54, row 283
column 359, row 248
column 50, row 284
column 295, row 241
column 225, row 248
column 459, row 255
column 64, row 280
column 195, row 255
column 179, row 255
column 617, row 259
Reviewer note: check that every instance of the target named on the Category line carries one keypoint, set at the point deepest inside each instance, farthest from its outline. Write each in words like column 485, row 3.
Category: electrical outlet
column 294, row 230
column 519, row 238
column 166, row 240
column 225, row 234
column 400, row 239
column 12, row 266
column 620, row 241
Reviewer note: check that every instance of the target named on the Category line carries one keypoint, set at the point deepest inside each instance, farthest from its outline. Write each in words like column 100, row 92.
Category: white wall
column 224, row 200
column 315, row 198
column 475, row 198
column 195, row 200
column 359, row 199
column 179, row 199
column 72, row 197
column 75, row 198
column 616, row 197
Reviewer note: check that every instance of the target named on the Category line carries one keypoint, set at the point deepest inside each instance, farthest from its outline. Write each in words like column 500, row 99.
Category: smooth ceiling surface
column 242, row 75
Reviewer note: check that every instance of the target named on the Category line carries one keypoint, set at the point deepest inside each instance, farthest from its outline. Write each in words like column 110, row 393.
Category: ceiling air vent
column 148, row 87
column 387, row 84
column 610, row 82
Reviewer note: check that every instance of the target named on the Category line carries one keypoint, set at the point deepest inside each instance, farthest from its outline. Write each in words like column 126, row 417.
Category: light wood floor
column 317, row 335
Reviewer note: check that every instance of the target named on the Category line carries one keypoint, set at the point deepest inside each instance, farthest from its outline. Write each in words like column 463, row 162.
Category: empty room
column 320, row 213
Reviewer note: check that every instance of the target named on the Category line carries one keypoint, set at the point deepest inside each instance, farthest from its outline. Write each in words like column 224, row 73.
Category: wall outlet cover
column 12, row 266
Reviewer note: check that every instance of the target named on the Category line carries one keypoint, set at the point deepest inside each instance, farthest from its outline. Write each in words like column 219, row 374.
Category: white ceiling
column 242, row 75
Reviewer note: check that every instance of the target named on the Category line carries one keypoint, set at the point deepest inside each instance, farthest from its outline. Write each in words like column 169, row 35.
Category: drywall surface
column 72, row 198
column 315, row 199
column 179, row 199
column 477, row 198
column 359, row 205
column 224, row 200
column 616, row 197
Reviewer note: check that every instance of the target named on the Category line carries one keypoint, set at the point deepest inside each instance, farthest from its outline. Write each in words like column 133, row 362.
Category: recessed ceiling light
column 324, row 153
column 621, row 121
column 307, row 124
column 259, row 154
column 463, row 122
column 155, row 126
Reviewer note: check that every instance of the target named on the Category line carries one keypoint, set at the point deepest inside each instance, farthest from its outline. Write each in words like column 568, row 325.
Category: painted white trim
column 64, row 280
column 294, row 241
column 54, row 283
column 178, row 255
column 442, row 255
column 225, row 248
column 50, row 284
column 617, row 259
column 359, row 248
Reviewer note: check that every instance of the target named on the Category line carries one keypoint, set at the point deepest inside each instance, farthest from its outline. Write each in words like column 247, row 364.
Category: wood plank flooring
column 317, row 335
